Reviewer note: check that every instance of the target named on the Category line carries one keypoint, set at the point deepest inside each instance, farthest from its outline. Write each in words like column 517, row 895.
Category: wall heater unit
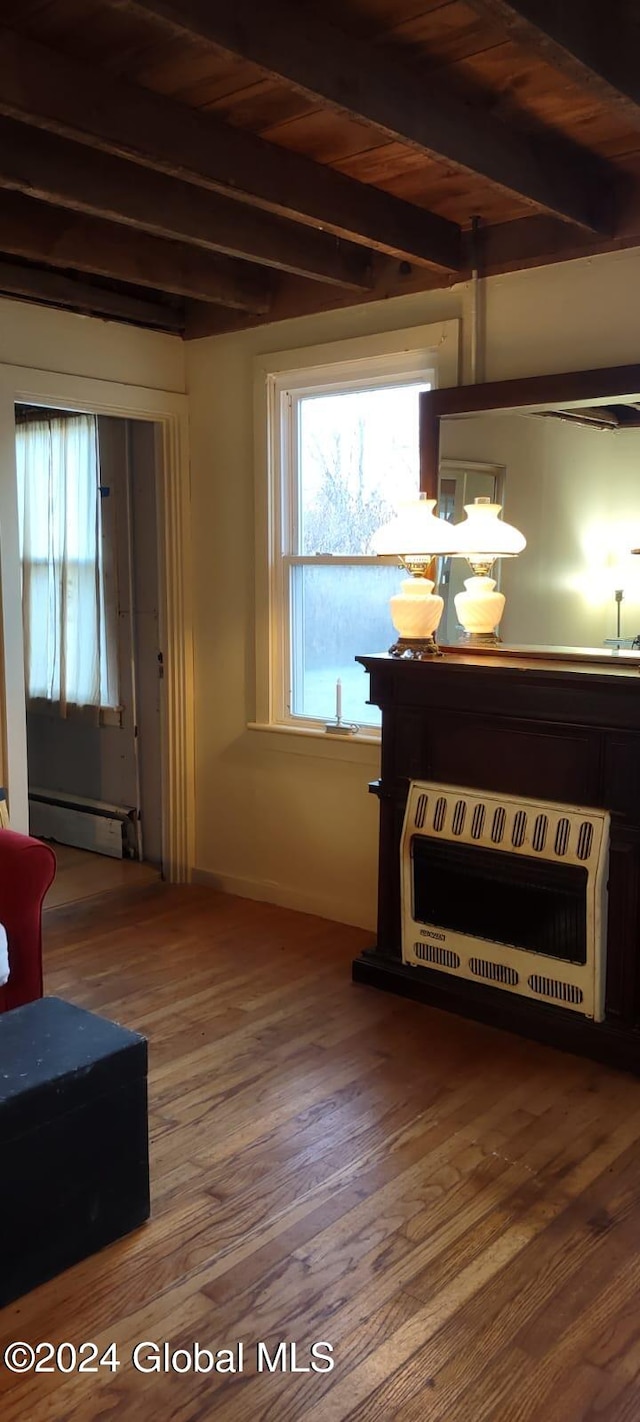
column 83, row 823
column 508, row 892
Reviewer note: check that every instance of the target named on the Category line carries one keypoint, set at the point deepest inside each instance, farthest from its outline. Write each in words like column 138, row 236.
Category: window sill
column 361, row 746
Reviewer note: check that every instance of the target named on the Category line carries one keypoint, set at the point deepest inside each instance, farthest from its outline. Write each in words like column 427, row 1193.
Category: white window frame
column 420, row 353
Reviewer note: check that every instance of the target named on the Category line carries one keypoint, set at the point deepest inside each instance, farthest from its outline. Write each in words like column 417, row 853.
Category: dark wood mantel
column 552, row 726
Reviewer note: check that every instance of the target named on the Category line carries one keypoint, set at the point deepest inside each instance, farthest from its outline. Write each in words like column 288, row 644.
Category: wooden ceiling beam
column 595, row 45
column 502, row 247
column 538, row 241
column 377, row 84
column 59, row 238
column 71, row 175
column 41, row 87
column 53, row 289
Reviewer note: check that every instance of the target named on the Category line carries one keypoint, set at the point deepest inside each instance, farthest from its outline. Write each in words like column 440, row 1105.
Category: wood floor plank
column 81, row 875
column 455, row 1210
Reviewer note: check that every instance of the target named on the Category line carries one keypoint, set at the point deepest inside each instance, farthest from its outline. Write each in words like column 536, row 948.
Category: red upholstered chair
column 27, row 868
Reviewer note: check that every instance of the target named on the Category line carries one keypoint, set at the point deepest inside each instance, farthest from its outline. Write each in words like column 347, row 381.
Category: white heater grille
column 493, row 972
column 538, row 832
column 553, row 832
column 553, row 988
column 431, row 953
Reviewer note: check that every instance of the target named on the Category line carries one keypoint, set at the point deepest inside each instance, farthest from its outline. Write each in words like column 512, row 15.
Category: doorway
column 167, row 411
column 88, row 518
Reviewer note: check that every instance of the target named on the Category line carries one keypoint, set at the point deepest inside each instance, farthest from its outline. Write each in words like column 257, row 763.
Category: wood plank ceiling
column 198, row 166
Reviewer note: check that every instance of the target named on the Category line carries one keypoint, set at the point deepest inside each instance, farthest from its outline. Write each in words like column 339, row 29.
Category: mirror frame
column 572, row 389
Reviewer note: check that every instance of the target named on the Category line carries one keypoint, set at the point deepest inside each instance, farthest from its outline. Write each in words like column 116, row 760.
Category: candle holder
column 338, row 727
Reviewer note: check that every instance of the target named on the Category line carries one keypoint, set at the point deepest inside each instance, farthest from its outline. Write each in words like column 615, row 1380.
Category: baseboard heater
column 83, row 823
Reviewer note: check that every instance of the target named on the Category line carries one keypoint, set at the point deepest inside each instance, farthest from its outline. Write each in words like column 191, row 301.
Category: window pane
column 58, row 477
column 64, row 605
column 358, row 458
column 337, row 614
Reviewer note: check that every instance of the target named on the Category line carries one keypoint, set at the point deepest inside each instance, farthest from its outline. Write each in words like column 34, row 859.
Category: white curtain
column 68, row 661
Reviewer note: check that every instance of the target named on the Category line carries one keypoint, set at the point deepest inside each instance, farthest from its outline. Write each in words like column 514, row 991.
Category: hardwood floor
column 456, row 1211
column 80, row 875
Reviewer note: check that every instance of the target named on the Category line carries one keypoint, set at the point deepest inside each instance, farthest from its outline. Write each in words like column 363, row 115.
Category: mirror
column 567, row 472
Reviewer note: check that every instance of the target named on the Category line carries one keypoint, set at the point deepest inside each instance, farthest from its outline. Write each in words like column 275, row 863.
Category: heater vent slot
column 421, row 810
column 562, row 836
column 553, row 987
column 459, row 816
column 585, row 840
column 497, row 827
column 439, row 813
column 477, row 822
column 540, row 833
column 431, row 953
column 519, row 828
column 493, row 972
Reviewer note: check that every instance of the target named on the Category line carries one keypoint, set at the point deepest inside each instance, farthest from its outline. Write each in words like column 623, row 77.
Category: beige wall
column 573, row 316
column 43, row 339
column 278, row 818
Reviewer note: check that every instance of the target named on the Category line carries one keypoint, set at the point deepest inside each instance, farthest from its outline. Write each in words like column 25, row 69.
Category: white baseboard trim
column 266, row 892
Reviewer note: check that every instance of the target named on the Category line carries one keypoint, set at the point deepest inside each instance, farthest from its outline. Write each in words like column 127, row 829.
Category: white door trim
column 170, row 413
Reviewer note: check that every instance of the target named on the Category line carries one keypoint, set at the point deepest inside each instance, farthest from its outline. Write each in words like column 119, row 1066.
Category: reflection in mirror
column 570, row 480
column 461, row 481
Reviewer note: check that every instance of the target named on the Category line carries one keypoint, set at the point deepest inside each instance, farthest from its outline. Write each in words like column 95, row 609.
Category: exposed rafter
column 379, row 85
column 59, row 238
column 597, row 45
column 103, row 177
column 53, row 289
column 536, row 241
column 72, row 175
column 53, row 92
column 504, row 247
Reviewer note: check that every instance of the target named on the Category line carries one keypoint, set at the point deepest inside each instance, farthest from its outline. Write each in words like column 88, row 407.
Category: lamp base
column 479, row 610
column 479, row 639
column 415, row 649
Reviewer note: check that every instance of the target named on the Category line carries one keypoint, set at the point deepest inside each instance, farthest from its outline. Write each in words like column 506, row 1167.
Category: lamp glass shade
column 416, row 532
column 483, row 533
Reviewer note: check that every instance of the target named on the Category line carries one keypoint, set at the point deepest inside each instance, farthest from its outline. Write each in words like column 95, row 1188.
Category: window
column 344, row 454
column 69, row 656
